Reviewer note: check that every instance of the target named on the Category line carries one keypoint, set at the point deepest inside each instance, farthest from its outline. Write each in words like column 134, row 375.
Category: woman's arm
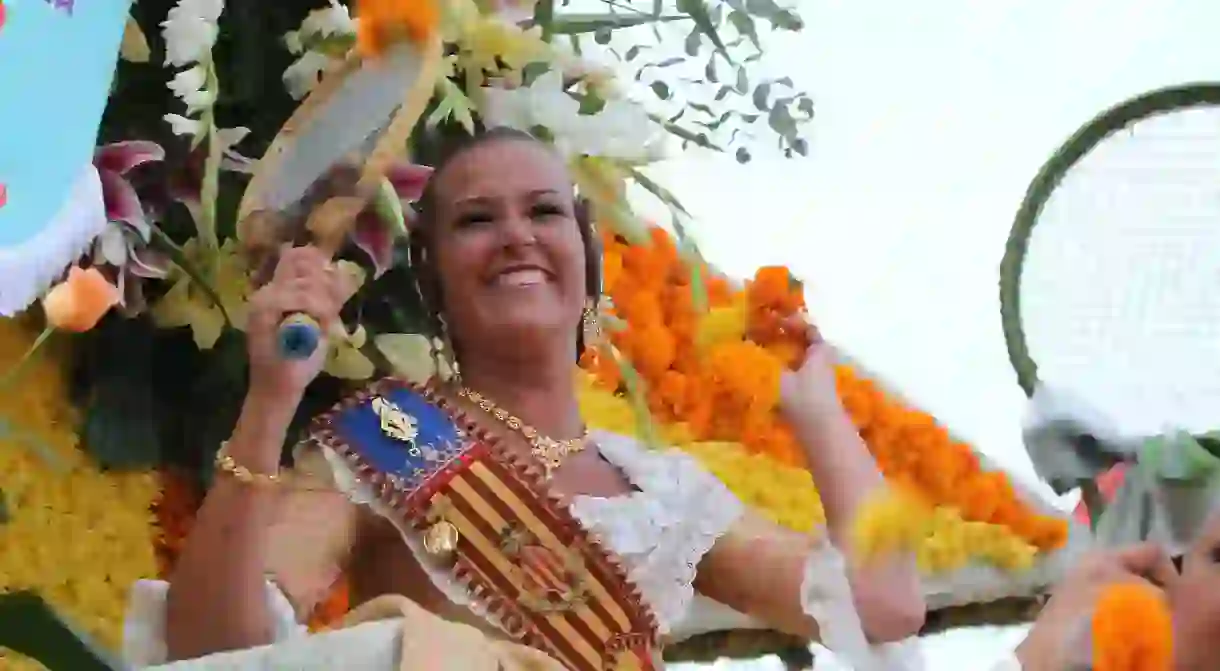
column 761, row 569
column 245, row 533
column 887, row 592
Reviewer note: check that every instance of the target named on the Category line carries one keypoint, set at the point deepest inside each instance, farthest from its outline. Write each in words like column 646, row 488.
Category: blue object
column 300, row 336
column 436, row 443
column 57, row 60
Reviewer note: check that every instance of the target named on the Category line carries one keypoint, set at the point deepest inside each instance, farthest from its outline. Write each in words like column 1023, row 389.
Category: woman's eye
column 474, row 219
column 546, row 210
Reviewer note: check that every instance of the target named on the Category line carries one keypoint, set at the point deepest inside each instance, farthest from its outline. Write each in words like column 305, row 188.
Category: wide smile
column 521, row 276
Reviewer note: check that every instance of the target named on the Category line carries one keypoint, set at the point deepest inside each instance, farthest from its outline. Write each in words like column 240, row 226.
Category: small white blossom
column 303, row 75
column 328, row 21
column 188, row 81
column 181, row 125
column 190, row 30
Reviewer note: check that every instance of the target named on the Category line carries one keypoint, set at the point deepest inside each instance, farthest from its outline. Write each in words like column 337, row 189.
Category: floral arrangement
column 138, row 364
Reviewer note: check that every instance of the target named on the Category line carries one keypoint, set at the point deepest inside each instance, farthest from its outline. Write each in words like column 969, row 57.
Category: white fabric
column 1008, row 662
column 31, row 266
column 660, row 533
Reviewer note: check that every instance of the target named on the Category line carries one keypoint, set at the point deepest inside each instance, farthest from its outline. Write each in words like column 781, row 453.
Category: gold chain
column 549, row 451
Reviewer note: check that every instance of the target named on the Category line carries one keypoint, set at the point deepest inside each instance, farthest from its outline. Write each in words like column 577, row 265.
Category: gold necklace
column 549, row 451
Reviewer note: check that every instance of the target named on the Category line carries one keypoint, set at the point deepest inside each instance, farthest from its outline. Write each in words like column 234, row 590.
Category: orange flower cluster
column 727, row 390
column 911, row 448
column 174, row 513
column 380, row 22
column 1132, row 630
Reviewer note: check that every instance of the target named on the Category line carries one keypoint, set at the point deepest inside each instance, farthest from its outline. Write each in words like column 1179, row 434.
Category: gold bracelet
column 227, row 464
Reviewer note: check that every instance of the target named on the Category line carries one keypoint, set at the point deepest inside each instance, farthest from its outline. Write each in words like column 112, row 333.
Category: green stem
column 211, row 184
column 15, row 372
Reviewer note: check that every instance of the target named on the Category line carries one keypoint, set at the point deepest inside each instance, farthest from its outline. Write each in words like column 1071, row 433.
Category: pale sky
column 933, row 117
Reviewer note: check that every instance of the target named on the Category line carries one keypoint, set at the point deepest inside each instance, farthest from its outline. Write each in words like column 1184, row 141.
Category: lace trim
column 662, row 531
column 826, row 596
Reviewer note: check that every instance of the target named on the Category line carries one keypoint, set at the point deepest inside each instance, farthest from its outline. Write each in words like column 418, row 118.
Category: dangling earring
column 591, row 326
column 443, row 356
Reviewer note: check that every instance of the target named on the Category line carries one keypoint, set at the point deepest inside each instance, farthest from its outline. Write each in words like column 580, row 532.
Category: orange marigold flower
column 78, row 303
column 1132, row 629
column 381, row 22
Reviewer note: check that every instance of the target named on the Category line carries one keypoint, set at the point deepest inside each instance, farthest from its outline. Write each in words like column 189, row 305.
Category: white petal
column 181, row 125
column 198, row 101
column 188, row 81
column 112, row 245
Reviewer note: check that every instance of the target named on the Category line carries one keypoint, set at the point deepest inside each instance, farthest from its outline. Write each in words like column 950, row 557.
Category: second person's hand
column 1058, row 638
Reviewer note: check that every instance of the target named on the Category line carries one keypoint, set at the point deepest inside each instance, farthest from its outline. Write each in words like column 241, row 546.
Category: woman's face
column 508, row 250
column 1196, row 602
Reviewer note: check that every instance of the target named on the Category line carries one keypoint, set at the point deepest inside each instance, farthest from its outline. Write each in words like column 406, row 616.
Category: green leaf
column 662, row 194
column 693, row 41
column 761, row 93
column 805, row 106
column 743, row 82
column 745, row 25
column 601, row 36
column 633, row 52
column 782, row 123
column 28, row 625
column 698, row 11
column 178, row 257
column 637, row 394
column 661, row 89
column 687, row 136
column 709, row 71
column 723, row 93
column 544, row 17
column 742, row 155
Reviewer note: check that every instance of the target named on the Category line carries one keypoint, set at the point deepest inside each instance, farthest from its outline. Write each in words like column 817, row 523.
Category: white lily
column 621, row 130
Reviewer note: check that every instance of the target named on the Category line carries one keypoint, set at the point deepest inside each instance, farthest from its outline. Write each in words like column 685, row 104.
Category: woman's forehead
column 501, row 168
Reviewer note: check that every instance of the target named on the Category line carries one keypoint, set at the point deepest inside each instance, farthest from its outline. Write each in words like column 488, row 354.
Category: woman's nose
column 518, row 230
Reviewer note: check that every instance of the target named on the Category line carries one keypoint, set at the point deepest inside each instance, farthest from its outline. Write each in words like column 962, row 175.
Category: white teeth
column 526, row 277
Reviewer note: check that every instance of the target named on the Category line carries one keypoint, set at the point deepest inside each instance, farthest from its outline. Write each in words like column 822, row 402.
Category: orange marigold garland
column 716, row 375
column 1132, row 629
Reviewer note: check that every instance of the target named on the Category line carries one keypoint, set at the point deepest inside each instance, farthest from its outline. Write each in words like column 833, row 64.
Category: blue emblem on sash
column 399, row 434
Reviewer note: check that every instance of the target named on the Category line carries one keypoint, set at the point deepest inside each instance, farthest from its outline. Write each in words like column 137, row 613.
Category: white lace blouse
column 660, row 532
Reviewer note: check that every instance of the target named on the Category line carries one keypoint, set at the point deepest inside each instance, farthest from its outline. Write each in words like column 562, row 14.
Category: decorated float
column 125, row 353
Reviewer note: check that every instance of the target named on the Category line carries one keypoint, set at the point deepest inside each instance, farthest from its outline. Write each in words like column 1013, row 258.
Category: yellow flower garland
column 943, row 541
column 79, row 537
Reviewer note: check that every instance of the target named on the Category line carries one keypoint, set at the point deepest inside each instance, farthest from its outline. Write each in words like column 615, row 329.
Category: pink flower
column 376, row 228
column 122, row 248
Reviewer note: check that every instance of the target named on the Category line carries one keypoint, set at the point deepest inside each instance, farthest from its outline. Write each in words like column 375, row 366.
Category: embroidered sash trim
column 518, row 550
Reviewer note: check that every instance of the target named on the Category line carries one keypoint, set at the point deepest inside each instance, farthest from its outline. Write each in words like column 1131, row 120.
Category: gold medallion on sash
column 487, row 516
